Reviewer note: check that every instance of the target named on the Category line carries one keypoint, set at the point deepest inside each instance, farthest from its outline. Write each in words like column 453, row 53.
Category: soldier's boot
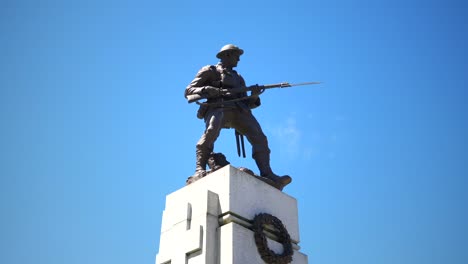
column 263, row 163
column 200, row 165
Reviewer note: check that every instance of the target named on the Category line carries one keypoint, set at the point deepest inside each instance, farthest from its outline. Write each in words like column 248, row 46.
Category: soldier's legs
column 213, row 123
column 248, row 125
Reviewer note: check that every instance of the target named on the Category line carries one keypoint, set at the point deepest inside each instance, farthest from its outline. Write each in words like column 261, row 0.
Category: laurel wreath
column 268, row 255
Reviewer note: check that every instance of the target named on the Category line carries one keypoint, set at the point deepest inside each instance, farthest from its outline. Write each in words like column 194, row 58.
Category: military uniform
column 222, row 112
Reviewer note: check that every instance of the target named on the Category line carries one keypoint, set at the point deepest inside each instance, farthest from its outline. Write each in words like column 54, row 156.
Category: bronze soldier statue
column 229, row 111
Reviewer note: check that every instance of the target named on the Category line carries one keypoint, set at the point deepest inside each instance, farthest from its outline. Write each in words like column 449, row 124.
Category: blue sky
column 95, row 130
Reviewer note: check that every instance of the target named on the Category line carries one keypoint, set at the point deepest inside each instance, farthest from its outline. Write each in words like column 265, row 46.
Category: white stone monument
column 210, row 220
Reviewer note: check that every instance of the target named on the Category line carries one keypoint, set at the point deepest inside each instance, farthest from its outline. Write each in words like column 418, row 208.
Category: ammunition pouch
column 202, row 111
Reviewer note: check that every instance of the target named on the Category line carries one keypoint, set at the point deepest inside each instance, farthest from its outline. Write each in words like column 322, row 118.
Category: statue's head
column 230, row 55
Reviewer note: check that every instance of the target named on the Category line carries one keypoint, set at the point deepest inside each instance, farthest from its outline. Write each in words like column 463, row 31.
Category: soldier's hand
column 256, row 89
column 211, row 91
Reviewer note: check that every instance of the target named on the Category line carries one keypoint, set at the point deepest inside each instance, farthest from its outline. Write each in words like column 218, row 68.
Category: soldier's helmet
column 227, row 48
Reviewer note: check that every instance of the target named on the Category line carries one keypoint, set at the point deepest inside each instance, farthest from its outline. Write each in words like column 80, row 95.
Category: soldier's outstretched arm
column 254, row 100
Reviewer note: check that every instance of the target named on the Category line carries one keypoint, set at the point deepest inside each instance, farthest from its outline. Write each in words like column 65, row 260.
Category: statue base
column 211, row 221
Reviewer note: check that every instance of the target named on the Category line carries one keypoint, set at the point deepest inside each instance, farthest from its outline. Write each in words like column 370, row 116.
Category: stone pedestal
column 210, row 221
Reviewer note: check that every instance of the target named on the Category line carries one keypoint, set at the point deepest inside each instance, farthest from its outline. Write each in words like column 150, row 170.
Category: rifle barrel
column 195, row 97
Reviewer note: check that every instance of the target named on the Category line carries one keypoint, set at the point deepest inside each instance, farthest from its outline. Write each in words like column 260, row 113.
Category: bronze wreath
column 268, row 255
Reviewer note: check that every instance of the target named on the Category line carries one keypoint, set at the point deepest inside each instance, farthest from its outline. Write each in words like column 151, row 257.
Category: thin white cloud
column 289, row 136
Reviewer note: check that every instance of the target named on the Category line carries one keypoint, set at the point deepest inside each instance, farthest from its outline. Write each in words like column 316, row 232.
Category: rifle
column 222, row 91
